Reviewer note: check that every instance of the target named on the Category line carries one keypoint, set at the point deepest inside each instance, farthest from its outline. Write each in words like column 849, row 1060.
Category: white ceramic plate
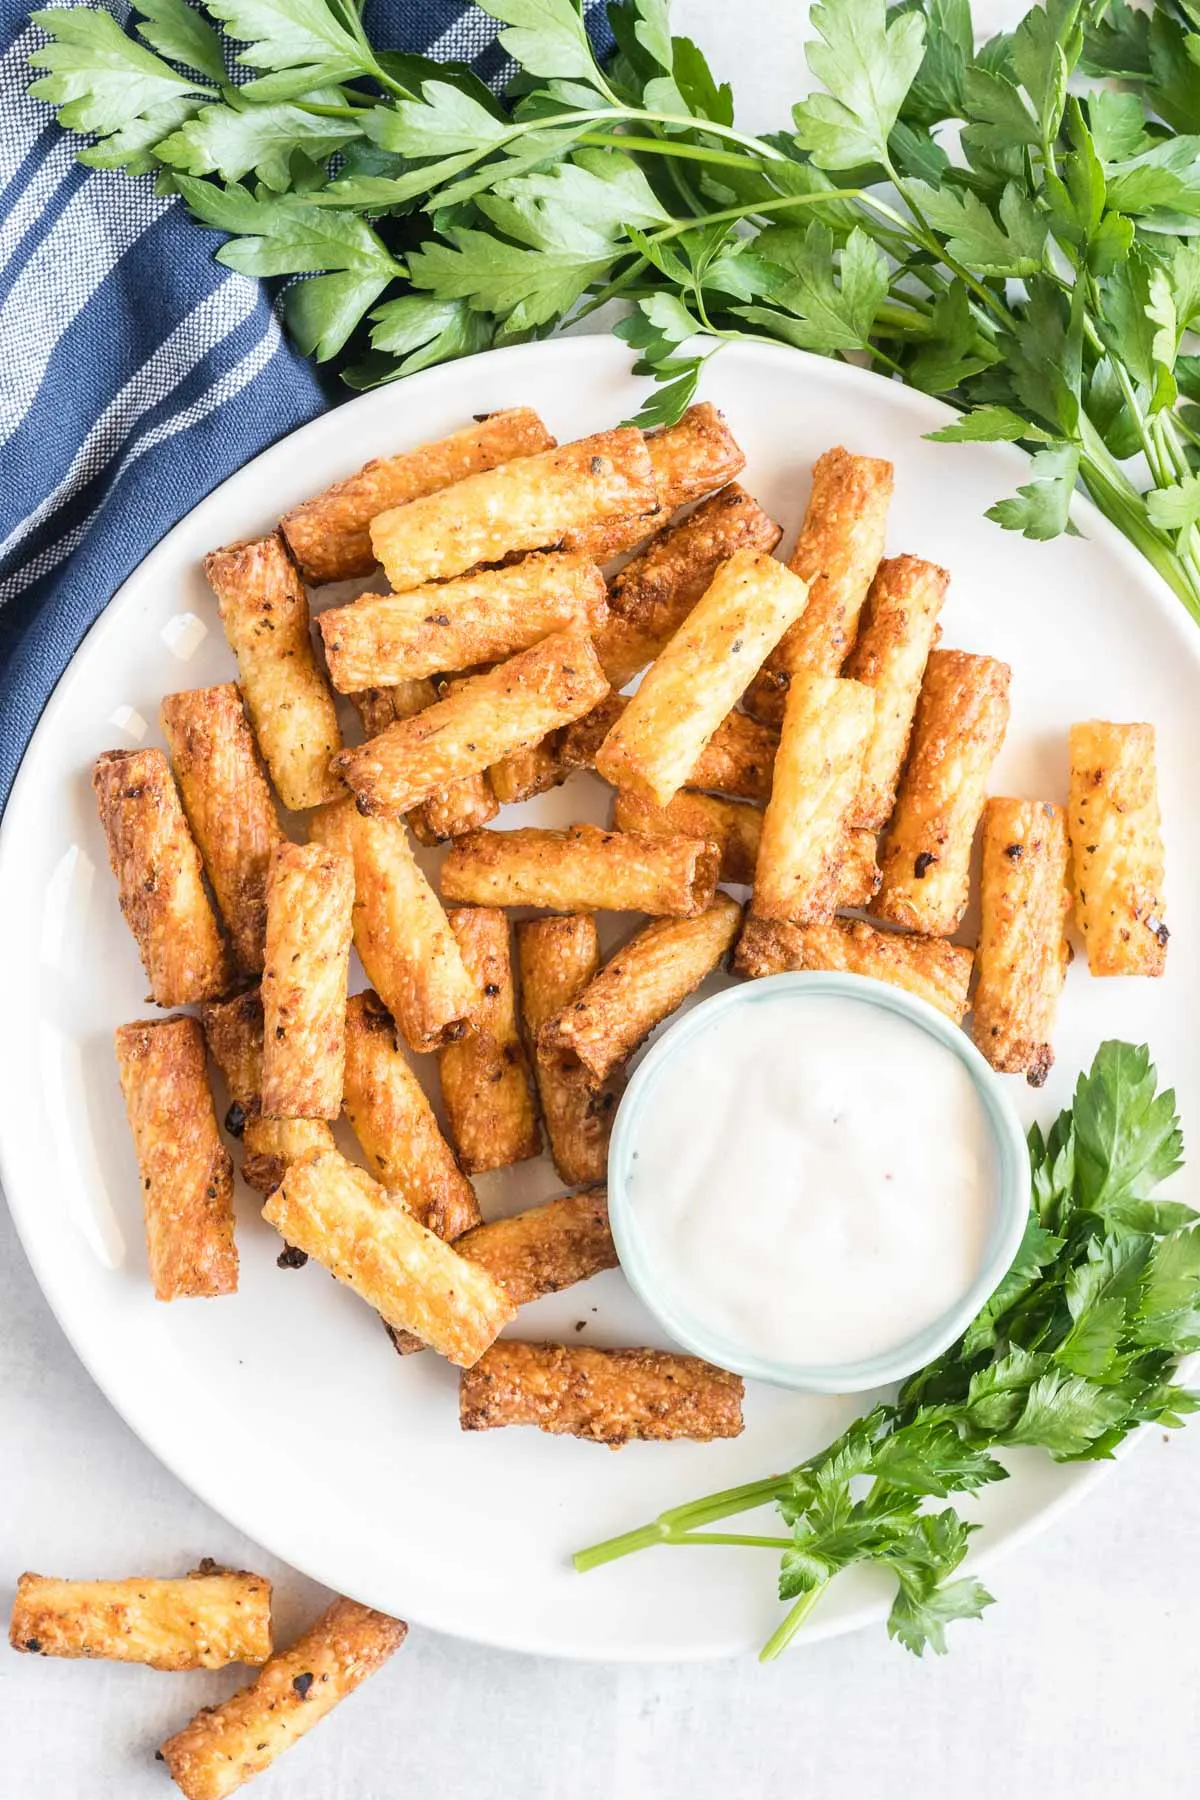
column 285, row 1407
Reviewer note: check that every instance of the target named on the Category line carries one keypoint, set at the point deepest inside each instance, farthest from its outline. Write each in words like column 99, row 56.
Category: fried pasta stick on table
column 229, row 807
column 392, row 1119
column 931, row 968
column 486, row 1083
column 529, row 503
column 690, row 459
column 656, row 590
column 403, row 938
column 818, row 769
column 1117, row 862
column 233, row 1030
column 186, row 1172
column 366, row 1238
column 731, row 824
column 960, row 723
column 1023, row 950
column 837, row 553
column 557, row 959
column 640, row 986
column 225, row 1746
column 310, row 902
column 265, row 614
column 607, row 1396
column 695, row 682
column 540, row 1251
column 477, row 618
column 160, row 881
column 330, row 536
column 486, row 716
column 582, row 869
column 202, row 1620
column 899, row 630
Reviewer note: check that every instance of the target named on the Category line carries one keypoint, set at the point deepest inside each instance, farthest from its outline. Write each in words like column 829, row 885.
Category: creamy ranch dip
column 814, row 1179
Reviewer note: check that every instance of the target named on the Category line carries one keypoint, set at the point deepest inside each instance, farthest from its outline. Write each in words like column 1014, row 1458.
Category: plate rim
column 927, row 413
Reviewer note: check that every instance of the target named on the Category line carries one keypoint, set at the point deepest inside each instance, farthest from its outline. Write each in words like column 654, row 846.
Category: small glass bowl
column 1011, row 1208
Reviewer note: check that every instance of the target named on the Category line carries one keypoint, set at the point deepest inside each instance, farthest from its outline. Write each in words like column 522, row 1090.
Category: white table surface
column 1078, row 1681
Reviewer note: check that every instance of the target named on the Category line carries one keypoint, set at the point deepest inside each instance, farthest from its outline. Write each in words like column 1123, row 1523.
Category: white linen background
column 1076, row 1683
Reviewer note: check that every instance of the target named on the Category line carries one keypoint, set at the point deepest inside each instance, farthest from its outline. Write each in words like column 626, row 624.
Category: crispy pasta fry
column 1117, row 864
column 961, row 719
column 265, row 614
column 485, row 1077
column 1023, row 949
column 557, row 959
column 695, row 682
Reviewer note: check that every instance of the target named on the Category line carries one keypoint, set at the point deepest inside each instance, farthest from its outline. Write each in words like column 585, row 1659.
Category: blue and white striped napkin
column 135, row 372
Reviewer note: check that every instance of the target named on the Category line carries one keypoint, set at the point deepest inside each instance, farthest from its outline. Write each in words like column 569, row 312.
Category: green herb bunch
column 1078, row 1346
column 1011, row 227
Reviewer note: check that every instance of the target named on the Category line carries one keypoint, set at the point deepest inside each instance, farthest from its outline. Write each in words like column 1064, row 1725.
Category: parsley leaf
column 1041, row 508
column 99, row 79
column 821, row 312
column 867, row 63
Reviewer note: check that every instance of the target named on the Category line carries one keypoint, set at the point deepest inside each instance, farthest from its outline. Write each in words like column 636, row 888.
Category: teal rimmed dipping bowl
column 1010, row 1203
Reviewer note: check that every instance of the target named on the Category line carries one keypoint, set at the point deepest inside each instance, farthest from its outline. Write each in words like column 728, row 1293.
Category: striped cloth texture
column 136, row 372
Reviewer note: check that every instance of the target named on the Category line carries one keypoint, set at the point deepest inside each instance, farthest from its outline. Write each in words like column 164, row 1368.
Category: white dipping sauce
column 813, row 1179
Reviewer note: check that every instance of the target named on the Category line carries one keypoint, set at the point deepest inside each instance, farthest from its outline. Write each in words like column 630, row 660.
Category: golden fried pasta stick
column 836, row 554
column 401, row 934
column 485, row 1077
column 234, row 1033
column 379, row 707
column 227, row 1745
column 530, row 503
column 463, row 806
column 395, row 1124
column 265, row 614
column 523, row 773
column 928, row 967
column 582, row 869
column 640, row 986
column 354, row 1228
column 735, row 827
column 202, row 1620
column 899, row 630
column 159, row 878
column 229, row 807
column 538, row 1252
column 818, row 768
column 656, row 590
column 547, row 1248
column 310, row 901
column 1117, row 864
column 511, row 707
column 478, row 618
column 606, row 1396
column 557, row 959
column 859, row 879
column 738, row 759
column 186, row 1171
column 961, row 719
column 330, row 536
column 694, row 683
column 691, row 458
column 1023, row 949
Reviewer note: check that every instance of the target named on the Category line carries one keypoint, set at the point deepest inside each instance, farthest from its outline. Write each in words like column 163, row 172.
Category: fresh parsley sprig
column 1011, row 226
column 1079, row 1345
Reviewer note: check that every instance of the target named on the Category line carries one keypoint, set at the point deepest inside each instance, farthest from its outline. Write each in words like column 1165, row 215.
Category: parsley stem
column 671, row 1527
column 782, row 1636
column 732, row 1537
column 655, row 147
